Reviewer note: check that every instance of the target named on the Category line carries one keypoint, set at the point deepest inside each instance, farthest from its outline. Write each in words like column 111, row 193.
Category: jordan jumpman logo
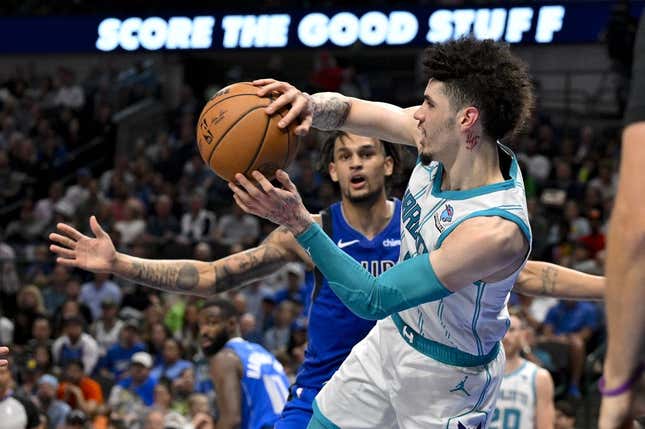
column 461, row 386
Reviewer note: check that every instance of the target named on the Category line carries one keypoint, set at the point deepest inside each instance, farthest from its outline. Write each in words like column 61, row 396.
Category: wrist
column 118, row 263
column 300, row 225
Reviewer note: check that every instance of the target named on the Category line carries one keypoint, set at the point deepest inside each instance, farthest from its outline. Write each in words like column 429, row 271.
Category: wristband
column 626, row 386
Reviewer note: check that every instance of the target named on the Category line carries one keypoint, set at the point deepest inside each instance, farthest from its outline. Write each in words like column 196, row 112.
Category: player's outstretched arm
column 544, row 408
column 481, row 248
column 97, row 254
column 546, row 279
column 333, row 111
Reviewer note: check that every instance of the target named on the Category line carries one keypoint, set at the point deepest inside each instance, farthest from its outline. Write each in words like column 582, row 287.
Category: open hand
column 300, row 102
column 281, row 206
column 78, row 250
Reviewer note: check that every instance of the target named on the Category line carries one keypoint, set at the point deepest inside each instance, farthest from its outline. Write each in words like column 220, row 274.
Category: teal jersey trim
column 488, row 212
column 480, row 293
column 406, row 285
column 441, row 352
column 482, row 190
column 516, row 370
column 468, row 193
column 319, row 419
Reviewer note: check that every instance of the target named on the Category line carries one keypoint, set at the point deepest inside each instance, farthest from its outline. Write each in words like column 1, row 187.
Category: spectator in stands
column 117, row 360
column 130, row 397
column 27, row 228
column 154, row 419
column 71, row 308
column 296, row 288
column 182, row 387
column 93, row 293
column 157, row 334
column 579, row 226
column 248, row 328
column 254, row 293
column 237, row 227
column 76, row 419
column 55, row 409
column 6, row 330
column 595, row 240
column 70, row 93
column 132, row 226
column 40, row 267
column 16, row 412
column 197, row 223
column 276, row 338
column 41, row 334
column 162, row 226
column 78, row 193
column 572, row 323
column 30, row 307
column 78, row 390
column 106, row 330
column 76, row 345
column 10, row 284
column 172, row 365
column 54, row 291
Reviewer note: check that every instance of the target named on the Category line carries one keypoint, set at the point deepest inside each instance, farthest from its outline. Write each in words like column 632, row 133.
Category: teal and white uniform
column 438, row 364
column 516, row 403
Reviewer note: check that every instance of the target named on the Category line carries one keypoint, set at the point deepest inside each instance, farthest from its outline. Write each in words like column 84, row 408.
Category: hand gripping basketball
column 300, row 102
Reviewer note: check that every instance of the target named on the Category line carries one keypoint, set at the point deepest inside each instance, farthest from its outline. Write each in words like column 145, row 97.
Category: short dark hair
column 328, row 143
column 484, row 74
column 226, row 307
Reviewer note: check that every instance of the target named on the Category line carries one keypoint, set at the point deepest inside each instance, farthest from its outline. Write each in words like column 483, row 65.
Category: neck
column 369, row 217
column 3, row 391
column 468, row 169
column 512, row 363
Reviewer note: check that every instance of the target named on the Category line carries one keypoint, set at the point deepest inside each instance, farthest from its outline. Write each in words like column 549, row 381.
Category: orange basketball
column 235, row 135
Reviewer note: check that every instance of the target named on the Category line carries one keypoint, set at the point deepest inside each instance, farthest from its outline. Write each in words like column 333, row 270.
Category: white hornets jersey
column 472, row 321
column 517, row 399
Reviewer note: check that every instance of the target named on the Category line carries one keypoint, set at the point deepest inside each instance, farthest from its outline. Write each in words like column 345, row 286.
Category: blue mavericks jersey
column 264, row 384
column 333, row 328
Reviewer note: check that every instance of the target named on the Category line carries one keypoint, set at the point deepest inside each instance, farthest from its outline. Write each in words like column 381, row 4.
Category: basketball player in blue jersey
column 251, row 385
column 465, row 238
column 360, row 166
column 526, row 395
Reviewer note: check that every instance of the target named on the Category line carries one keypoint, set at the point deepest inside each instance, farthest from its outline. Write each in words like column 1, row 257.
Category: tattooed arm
column 180, row 276
column 545, row 279
column 333, row 111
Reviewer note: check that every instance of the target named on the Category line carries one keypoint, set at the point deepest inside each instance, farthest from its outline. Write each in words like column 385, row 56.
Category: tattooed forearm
column 246, row 267
column 329, row 110
column 168, row 276
column 549, row 276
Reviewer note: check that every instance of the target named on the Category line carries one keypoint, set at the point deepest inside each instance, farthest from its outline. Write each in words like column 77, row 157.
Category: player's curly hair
column 484, row 74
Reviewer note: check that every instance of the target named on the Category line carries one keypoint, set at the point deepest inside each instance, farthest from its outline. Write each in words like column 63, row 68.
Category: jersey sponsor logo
column 390, row 242
column 444, row 217
column 342, row 244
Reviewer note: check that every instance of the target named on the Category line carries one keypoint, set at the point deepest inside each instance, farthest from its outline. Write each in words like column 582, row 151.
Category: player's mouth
column 357, row 181
column 205, row 343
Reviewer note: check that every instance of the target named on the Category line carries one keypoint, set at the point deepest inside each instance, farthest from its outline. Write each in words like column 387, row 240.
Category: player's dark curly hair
column 484, row 74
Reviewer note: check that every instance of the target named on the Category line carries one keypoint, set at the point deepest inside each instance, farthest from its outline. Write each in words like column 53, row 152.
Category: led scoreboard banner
column 564, row 22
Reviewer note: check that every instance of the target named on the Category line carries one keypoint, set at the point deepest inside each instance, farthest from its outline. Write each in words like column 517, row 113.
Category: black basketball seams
column 260, row 146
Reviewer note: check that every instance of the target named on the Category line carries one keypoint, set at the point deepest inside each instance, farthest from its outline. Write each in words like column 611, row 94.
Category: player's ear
column 332, row 172
column 389, row 166
column 468, row 117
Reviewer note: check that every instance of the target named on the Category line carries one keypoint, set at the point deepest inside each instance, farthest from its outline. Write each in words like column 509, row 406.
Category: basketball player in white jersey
column 525, row 398
column 465, row 238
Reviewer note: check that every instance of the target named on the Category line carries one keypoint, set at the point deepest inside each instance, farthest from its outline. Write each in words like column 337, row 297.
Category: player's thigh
column 357, row 396
column 429, row 394
column 296, row 415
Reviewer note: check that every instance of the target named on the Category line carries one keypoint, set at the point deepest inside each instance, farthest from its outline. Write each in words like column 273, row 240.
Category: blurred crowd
column 101, row 349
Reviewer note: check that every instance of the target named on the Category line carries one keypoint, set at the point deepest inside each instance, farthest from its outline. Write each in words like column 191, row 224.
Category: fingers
column 284, row 179
column 62, row 240
column 240, row 203
column 70, row 231
column 261, row 82
column 280, row 87
column 304, row 127
column 66, row 262
column 4, row 350
column 61, row 251
column 297, row 108
column 264, row 183
column 96, row 228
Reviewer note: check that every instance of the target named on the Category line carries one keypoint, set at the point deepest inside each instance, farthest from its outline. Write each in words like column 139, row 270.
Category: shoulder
column 543, row 381
column 492, row 232
column 226, row 361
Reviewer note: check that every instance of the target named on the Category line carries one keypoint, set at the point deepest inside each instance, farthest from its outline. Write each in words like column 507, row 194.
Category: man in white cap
column 46, row 393
column 138, row 386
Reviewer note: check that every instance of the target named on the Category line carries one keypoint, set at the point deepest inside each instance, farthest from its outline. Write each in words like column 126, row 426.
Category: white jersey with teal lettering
column 474, row 319
column 517, row 399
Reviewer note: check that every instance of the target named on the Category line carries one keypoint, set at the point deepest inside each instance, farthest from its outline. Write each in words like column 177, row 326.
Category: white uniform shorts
column 386, row 383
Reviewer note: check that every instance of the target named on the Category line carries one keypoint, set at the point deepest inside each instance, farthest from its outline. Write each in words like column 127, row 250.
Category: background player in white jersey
column 466, row 209
column 525, row 398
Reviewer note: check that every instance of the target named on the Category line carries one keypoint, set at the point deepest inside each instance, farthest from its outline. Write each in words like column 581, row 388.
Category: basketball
column 235, row 135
